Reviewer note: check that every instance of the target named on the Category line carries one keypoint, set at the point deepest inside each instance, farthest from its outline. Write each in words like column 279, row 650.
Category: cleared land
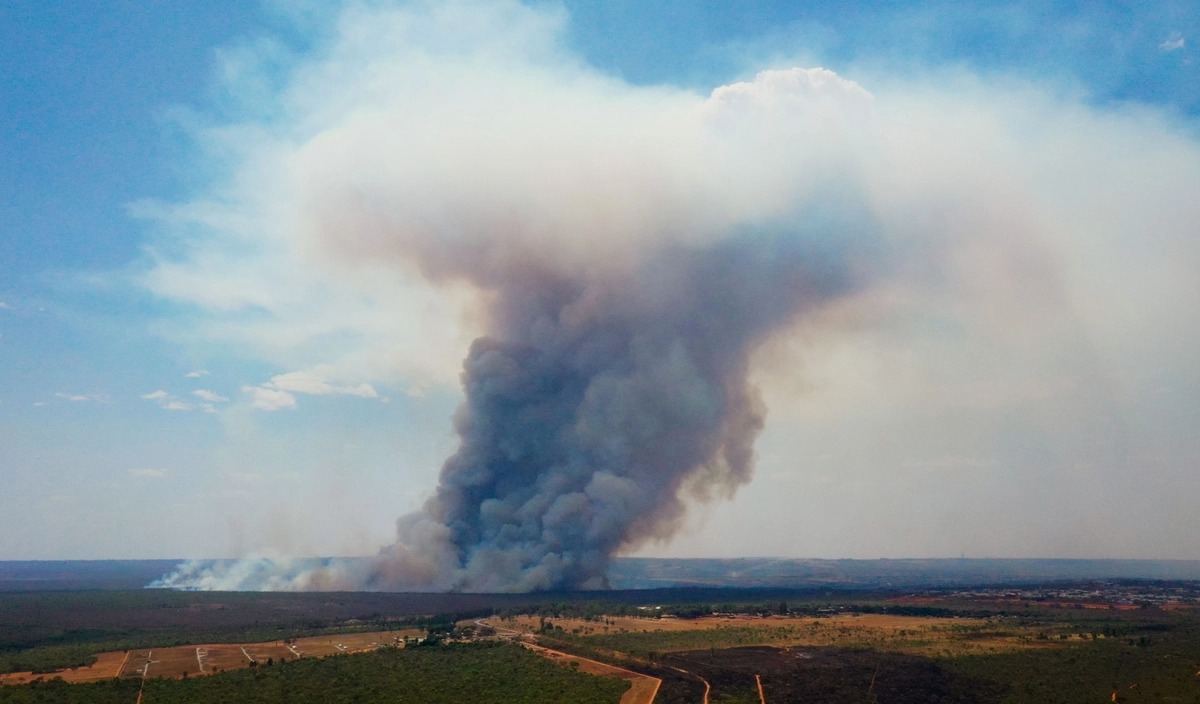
column 106, row 667
column 189, row 661
column 207, row 659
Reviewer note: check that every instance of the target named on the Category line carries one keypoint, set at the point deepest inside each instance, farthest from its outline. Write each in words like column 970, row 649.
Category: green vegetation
column 482, row 673
column 51, row 658
column 59, row 692
column 1153, row 658
column 650, row 643
column 46, row 631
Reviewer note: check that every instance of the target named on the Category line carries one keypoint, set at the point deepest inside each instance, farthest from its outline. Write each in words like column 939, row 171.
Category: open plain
column 1070, row 643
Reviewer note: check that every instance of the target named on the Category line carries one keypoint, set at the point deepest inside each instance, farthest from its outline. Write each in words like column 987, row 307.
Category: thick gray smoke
column 628, row 249
column 593, row 408
column 594, row 405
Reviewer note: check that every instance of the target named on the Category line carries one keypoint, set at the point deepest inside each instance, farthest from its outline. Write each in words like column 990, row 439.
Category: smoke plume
column 595, row 403
column 621, row 254
column 629, row 249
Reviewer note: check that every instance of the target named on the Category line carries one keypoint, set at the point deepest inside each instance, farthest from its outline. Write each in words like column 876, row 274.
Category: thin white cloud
column 148, row 472
column 210, row 396
column 77, row 398
column 1175, row 42
column 5, row 306
column 196, row 374
column 170, row 402
column 316, row 382
column 267, row 399
column 278, row 393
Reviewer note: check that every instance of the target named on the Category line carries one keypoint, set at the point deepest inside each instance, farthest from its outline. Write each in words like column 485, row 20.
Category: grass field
column 914, row 635
column 481, row 673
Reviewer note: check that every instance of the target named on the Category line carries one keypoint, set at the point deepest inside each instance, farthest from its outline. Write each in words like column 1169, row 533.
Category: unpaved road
column 643, row 688
column 707, row 686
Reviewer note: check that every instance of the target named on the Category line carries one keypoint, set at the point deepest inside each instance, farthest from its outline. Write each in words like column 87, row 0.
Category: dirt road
column 642, row 690
column 707, row 686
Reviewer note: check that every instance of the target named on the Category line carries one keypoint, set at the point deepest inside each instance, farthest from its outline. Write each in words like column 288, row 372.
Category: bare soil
column 107, row 666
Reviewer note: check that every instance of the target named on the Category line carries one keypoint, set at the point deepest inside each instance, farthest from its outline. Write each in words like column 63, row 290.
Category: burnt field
column 831, row 676
column 948, row 648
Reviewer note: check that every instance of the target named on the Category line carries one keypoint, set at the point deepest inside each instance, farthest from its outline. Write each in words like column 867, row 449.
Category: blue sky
column 177, row 380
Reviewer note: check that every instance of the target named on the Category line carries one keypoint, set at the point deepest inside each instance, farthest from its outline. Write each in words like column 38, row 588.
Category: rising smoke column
column 592, row 410
column 594, row 405
column 630, row 248
column 422, row 174
column 607, row 390
column 612, row 383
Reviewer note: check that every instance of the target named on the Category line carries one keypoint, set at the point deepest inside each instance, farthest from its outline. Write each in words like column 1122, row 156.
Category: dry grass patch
column 630, row 624
column 916, row 635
